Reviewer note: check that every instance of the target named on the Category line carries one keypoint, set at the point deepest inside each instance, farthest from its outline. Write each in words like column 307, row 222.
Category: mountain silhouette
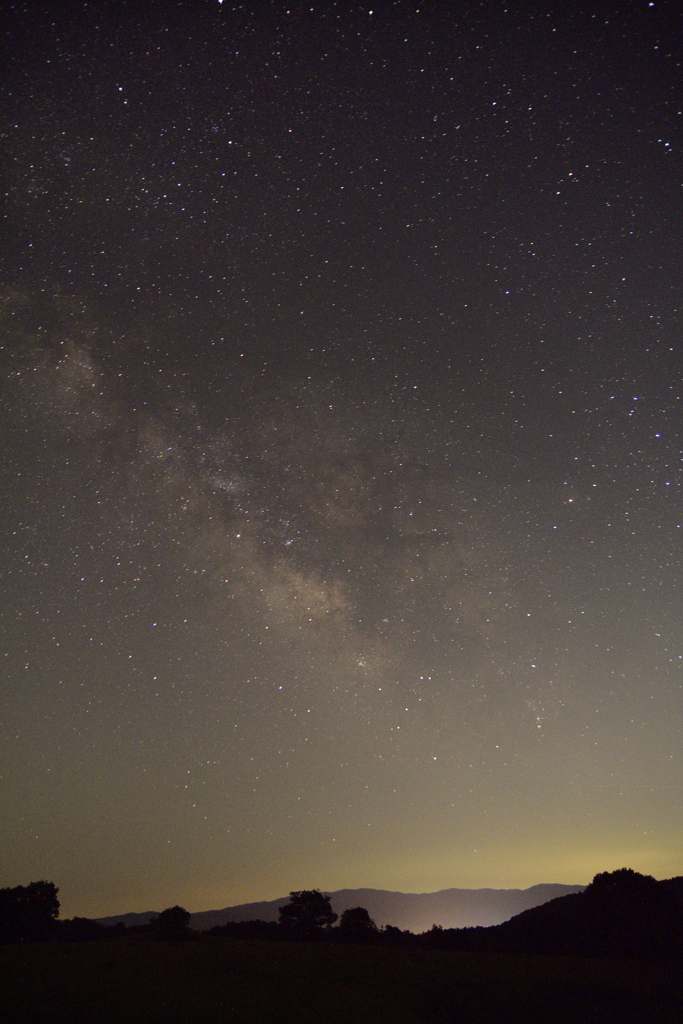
column 417, row 912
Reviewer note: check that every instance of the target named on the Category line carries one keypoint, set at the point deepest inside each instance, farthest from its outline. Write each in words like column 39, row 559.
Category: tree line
column 30, row 914
column 619, row 913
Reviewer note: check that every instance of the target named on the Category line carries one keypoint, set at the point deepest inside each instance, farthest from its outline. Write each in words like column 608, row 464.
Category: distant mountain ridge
column 417, row 912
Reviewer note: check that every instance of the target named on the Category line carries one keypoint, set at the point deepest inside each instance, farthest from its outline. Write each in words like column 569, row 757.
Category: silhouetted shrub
column 390, row 935
column 81, row 929
column 172, row 924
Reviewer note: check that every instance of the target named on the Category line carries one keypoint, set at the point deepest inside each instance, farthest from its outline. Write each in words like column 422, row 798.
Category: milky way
column 341, row 463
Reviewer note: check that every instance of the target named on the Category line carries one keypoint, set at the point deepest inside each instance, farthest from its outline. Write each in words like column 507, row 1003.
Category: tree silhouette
column 172, row 924
column 356, row 925
column 625, row 883
column 28, row 912
column 307, row 914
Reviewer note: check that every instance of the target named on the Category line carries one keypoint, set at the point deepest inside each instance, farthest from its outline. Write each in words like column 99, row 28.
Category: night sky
column 341, row 471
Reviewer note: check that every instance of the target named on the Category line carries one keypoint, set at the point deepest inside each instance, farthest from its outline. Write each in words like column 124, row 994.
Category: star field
column 341, row 465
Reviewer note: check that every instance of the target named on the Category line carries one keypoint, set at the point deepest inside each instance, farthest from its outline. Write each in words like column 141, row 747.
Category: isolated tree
column 356, row 925
column 28, row 912
column 307, row 914
column 172, row 924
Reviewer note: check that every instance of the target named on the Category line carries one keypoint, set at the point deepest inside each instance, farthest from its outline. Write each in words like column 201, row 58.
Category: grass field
column 225, row 980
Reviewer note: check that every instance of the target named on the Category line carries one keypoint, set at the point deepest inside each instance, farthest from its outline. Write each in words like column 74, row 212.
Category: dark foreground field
column 224, row 980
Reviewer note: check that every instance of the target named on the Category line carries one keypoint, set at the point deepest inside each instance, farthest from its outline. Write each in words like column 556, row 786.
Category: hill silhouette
column 620, row 914
column 417, row 912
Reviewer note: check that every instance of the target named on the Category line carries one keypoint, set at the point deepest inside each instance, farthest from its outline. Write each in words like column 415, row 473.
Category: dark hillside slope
column 620, row 914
